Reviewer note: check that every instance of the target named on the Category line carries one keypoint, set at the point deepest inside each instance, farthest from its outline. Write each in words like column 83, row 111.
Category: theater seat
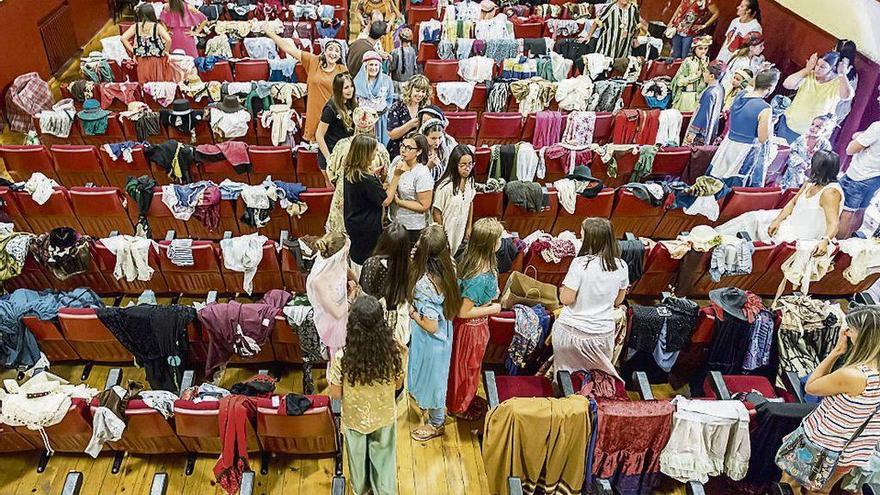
column 32, row 276
column 501, row 329
column 631, row 214
column 312, row 221
column 294, row 279
column 11, row 441
column 547, row 271
column 670, row 162
column 160, row 217
column 21, row 161
column 314, row 432
column 307, row 170
column 524, row 222
column 118, row 171
column 835, row 284
column 527, row 30
column 279, row 220
column 228, row 223
column 128, row 127
column 427, row 51
column 499, row 128
column 220, row 170
column 276, row 161
column 55, row 212
column 221, row 72
column 106, row 261
column 268, row 274
column 78, row 165
column 418, row 14
column 147, row 432
column 251, row 70
column 441, row 70
column 100, row 210
column 200, row 278
column 743, row 199
column 462, row 126
column 676, row 221
column 584, row 207
column 70, row 436
column 659, row 271
column 113, row 134
column 285, row 342
column 602, row 129
column 771, row 274
column 203, row 136
column 11, row 207
column 481, row 163
column 92, row 277
column 198, row 428
column 693, row 357
column 488, row 204
column 523, row 386
column 50, row 339
column 657, row 68
column 90, row 338
column 761, row 258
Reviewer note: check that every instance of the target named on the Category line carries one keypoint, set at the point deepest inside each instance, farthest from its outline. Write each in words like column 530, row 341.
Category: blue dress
column 429, row 354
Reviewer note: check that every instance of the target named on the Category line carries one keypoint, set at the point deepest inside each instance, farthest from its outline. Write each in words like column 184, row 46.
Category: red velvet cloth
column 468, row 347
column 235, row 412
column 631, row 436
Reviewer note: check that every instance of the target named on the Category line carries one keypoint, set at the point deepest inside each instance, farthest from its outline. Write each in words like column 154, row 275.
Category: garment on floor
column 243, row 254
column 543, row 441
column 156, row 336
column 132, row 257
column 709, row 438
column 240, row 329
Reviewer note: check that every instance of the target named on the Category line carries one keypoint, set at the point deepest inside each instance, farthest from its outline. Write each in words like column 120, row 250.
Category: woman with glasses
column 415, row 189
column 454, row 198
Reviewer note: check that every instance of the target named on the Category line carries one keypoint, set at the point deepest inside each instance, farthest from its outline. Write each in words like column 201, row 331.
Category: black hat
column 230, row 104
column 180, row 106
column 581, row 172
column 296, row 404
column 63, row 237
column 731, row 300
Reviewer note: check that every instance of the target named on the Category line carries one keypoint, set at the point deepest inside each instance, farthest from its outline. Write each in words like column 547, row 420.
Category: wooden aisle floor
column 449, row 466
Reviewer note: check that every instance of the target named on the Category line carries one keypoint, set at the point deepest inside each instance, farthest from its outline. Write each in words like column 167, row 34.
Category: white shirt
column 411, row 183
column 736, row 30
column 866, row 163
column 593, row 308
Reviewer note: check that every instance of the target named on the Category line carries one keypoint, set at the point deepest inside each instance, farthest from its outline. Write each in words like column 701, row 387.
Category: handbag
column 810, row 464
column 523, row 289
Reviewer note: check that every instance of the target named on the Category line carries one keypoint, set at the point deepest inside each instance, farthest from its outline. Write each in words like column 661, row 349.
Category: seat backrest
column 524, row 222
column 198, row 429
column 500, row 127
column 268, row 274
column 200, row 278
column 527, row 30
column 462, row 126
column 55, row 212
column 743, row 199
column 276, row 161
column 482, row 156
column 632, row 214
column 251, row 70
column 547, row 271
column 307, row 170
column 488, row 204
column 221, row 71
column 117, row 171
column 501, row 329
column 9, row 204
column 659, row 270
column 160, row 217
column 106, row 261
column 313, row 432
column 600, row 206
column 671, row 161
column 441, row 70
column 92, row 340
column 113, row 133
column 21, row 161
column 147, row 431
column 100, row 210
column 602, row 129
column 312, row 221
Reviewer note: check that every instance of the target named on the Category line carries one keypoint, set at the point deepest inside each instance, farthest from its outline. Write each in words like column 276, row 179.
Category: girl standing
column 327, row 288
column 440, row 145
column 151, row 46
column 186, row 24
column 454, row 197
column 336, row 120
column 434, row 301
column 478, row 281
column 847, row 422
column 583, row 335
column 403, row 116
column 384, row 276
column 365, row 375
column 415, row 189
column 688, row 83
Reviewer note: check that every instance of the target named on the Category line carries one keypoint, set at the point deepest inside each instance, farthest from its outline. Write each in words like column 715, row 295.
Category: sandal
column 426, row 432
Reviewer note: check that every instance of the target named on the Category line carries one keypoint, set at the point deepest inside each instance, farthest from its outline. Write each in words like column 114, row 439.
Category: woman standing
column 690, row 19
column 375, row 90
column 336, row 120
column 619, row 23
column 186, row 24
column 688, row 83
column 328, row 290
column 434, row 301
column 747, row 21
column 478, row 281
column 403, row 116
column 364, row 198
column 820, row 86
column 384, row 276
column 846, row 423
column 440, row 145
column 802, row 150
column 454, row 197
column 596, row 282
column 415, row 189
column 365, row 375
column 320, row 71
column 750, row 125
column 151, row 46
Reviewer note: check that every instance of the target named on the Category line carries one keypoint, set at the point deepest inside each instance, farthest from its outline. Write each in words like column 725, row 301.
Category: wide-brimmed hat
column 488, row 6
column 134, row 107
column 580, row 172
column 180, row 106
column 703, row 237
column 702, row 41
column 91, row 110
column 731, row 300
column 230, row 104
column 364, row 118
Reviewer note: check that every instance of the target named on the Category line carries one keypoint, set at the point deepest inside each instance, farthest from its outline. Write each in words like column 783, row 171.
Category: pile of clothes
column 552, row 249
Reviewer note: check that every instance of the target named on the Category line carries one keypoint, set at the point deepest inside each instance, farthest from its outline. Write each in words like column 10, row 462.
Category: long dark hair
column 177, row 6
column 344, row 109
column 599, row 242
column 451, row 173
column 432, row 257
column 393, row 245
column 370, row 354
column 824, row 167
column 755, row 9
column 145, row 13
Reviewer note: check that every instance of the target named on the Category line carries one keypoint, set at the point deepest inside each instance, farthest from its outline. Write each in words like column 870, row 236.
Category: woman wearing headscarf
column 688, row 83
column 375, row 91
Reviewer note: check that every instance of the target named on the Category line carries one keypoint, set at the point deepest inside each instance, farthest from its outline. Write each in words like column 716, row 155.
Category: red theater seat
column 307, row 171
column 659, row 271
column 631, row 214
column 11, row 207
column 228, row 223
column 160, row 217
column 10, row 441
column 147, row 432
column 501, row 329
column 528, row 30
column 285, row 342
column 314, row 432
column 743, row 199
column 481, row 163
column 547, row 271
column 221, row 170
column 602, row 130
column 279, row 220
column 670, row 162
column 276, row 161
column 524, row 222
column 131, row 131
column 32, row 276
column 522, row 386
column 657, row 68
column 762, row 257
column 203, row 136
column 584, row 207
column 499, row 128
column 50, row 339
column 90, row 338
column 312, row 221
column 488, row 205
column 198, row 428
column 418, row 14
column 78, row 165
column 427, row 51
column 835, row 284
column 221, row 71
column 251, row 70
column 118, row 171
column 771, row 274
column 100, row 210
column 200, row 278
column 294, row 279
column 113, row 134
column 21, row 161
column 92, row 277
column 441, row 70
column 70, row 436
column 55, row 212
column 268, row 274
column 462, row 126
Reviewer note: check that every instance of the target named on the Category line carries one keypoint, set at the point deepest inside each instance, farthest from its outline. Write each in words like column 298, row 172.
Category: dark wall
column 21, row 48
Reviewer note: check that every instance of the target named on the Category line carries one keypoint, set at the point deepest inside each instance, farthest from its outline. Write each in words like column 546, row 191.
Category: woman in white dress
column 454, row 197
column 812, row 215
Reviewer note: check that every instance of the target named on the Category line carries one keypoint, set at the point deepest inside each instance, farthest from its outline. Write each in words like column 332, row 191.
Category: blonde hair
column 480, row 251
column 866, row 347
column 330, row 244
column 418, row 81
column 359, row 160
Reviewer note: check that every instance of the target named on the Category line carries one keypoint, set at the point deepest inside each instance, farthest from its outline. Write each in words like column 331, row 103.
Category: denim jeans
column 437, row 417
column 681, row 45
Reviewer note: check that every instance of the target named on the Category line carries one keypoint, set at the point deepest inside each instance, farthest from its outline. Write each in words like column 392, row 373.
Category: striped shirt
column 838, row 417
column 619, row 26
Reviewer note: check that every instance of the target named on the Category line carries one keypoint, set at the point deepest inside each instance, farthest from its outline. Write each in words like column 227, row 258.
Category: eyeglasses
column 408, row 147
column 466, row 165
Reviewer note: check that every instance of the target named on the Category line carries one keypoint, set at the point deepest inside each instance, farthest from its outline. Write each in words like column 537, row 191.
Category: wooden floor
column 451, row 465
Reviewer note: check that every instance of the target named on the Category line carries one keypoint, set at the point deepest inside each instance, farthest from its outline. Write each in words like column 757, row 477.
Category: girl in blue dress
column 434, row 301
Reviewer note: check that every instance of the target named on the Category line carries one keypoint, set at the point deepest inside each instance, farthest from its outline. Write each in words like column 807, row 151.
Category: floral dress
column 398, row 115
column 428, row 369
column 798, row 166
